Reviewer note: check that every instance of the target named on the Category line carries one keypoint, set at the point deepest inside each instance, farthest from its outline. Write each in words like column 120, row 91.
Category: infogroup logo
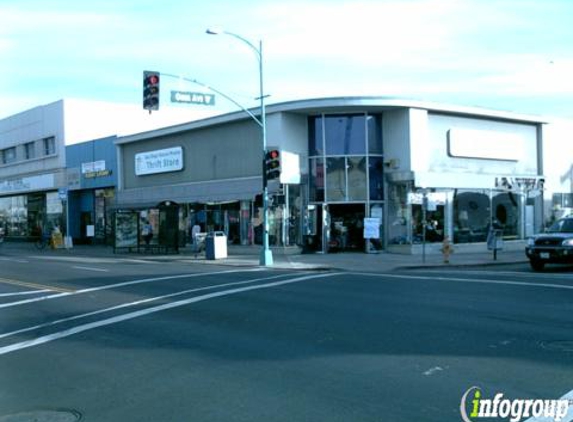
column 516, row 409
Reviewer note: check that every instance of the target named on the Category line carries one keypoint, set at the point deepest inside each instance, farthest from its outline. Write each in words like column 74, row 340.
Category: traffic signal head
column 150, row 90
column 273, row 164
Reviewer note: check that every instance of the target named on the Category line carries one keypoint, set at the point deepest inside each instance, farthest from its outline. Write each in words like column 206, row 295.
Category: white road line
column 136, row 261
column 114, row 320
column 32, row 292
column 20, row 261
column 125, row 283
column 468, row 280
column 135, row 303
column 91, row 269
column 79, row 259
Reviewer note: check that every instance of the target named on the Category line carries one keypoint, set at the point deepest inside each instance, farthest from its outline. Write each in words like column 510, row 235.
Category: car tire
column 536, row 264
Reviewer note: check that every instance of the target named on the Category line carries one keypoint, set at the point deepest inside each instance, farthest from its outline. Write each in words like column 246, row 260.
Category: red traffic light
column 153, row 79
column 150, row 90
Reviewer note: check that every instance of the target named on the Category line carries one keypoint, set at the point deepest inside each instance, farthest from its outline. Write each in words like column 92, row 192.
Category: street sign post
column 192, row 98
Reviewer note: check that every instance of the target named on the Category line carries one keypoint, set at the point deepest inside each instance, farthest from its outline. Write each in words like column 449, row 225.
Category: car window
column 562, row 226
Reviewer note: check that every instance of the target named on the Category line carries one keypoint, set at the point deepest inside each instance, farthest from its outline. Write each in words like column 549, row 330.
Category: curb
column 474, row 264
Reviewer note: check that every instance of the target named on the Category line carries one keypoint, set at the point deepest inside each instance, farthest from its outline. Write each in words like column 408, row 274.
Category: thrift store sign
column 159, row 161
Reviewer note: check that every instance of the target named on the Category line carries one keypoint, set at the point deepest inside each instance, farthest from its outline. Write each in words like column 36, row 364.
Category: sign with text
column 371, row 228
column 159, row 161
column 26, row 184
column 93, row 167
column 192, row 98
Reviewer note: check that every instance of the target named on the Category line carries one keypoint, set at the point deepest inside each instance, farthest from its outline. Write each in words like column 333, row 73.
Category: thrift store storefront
column 363, row 161
column 211, row 177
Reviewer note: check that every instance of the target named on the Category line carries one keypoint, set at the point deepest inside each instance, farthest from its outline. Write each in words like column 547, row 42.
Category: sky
column 514, row 55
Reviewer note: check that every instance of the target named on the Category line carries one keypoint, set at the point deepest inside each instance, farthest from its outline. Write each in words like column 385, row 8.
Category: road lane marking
column 91, row 269
column 167, row 306
column 20, row 261
column 122, row 284
column 467, row 280
column 79, row 259
column 138, row 302
column 35, row 286
column 30, row 292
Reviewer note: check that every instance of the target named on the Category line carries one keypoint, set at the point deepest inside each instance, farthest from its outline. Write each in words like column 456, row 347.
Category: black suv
column 553, row 246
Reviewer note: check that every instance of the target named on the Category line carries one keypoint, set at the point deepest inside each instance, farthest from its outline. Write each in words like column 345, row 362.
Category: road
column 115, row 339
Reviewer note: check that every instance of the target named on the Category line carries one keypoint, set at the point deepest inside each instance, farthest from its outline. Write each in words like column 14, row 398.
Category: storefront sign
column 100, row 173
column 371, row 228
column 27, row 184
column 74, row 178
column 485, row 144
column 519, row 184
column 54, row 203
column 93, row 167
column 159, row 161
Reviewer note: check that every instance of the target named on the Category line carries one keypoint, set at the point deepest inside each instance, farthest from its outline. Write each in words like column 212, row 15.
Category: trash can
column 216, row 245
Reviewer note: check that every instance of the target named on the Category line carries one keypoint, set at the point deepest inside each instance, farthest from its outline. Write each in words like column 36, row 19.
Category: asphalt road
column 127, row 340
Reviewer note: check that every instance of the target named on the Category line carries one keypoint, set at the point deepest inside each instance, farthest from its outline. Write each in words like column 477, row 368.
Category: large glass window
column 316, row 191
column 350, row 163
column 336, row 179
column 374, row 134
column 399, row 218
column 472, row 215
column 356, row 177
column 376, row 176
column 14, row 215
column 315, row 136
column 345, row 135
column 505, row 209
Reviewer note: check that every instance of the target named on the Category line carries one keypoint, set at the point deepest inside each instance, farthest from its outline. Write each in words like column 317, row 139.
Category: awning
column 201, row 192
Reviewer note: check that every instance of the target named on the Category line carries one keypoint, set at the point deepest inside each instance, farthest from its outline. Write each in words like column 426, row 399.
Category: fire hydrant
column 447, row 249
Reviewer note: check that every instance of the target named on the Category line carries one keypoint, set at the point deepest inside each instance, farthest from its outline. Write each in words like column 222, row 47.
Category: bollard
column 447, row 249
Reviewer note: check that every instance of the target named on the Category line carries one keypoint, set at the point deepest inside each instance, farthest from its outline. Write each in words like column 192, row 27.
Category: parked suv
column 555, row 245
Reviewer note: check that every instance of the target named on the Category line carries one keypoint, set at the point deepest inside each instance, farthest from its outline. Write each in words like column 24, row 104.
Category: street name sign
column 192, row 98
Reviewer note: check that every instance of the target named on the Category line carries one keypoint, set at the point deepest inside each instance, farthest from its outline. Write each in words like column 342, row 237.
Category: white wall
column 396, row 139
column 558, row 156
column 289, row 132
column 434, row 164
column 33, row 125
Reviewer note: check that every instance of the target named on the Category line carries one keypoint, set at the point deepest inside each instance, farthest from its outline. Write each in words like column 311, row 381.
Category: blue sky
column 512, row 55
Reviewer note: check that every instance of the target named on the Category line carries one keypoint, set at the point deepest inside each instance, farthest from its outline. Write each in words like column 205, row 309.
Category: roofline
column 339, row 105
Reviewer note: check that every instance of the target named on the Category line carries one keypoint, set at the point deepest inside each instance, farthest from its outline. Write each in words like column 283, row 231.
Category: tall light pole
column 266, row 257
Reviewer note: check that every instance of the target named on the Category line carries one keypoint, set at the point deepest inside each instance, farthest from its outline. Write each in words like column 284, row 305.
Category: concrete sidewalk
column 286, row 258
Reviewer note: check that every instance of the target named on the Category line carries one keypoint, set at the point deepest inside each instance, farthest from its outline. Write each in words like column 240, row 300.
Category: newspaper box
column 216, row 245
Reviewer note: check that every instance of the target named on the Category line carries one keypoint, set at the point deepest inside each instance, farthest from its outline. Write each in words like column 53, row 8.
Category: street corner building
column 357, row 174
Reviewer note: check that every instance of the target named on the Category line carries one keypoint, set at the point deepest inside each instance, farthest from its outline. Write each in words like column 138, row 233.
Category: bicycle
column 42, row 242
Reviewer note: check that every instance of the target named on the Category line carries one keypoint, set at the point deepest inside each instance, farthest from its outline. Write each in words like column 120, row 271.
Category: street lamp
column 266, row 257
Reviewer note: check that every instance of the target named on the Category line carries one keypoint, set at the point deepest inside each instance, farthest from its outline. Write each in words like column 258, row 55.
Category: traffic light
column 150, row 90
column 273, row 164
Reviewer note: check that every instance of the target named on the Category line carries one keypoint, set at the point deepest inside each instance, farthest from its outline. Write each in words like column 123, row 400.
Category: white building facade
column 367, row 165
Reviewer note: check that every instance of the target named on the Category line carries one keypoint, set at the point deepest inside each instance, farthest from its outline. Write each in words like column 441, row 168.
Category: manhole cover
column 43, row 416
column 556, row 345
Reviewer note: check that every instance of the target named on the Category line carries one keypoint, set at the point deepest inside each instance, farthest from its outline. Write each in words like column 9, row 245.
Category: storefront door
column 346, row 228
